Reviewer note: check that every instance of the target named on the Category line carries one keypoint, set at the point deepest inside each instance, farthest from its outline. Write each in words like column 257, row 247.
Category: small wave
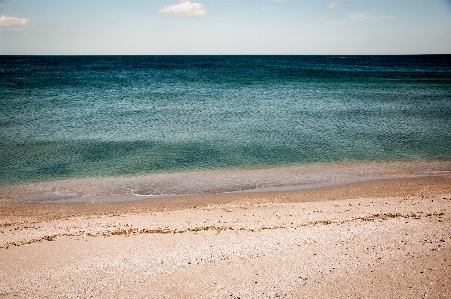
column 126, row 188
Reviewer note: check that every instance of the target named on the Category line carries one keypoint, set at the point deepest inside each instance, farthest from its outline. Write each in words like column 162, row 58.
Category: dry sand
column 378, row 239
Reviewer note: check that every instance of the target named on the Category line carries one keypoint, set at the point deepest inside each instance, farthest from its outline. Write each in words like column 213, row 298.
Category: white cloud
column 6, row 21
column 184, row 9
column 364, row 17
column 149, row 4
column 358, row 17
column 2, row 6
column 334, row 5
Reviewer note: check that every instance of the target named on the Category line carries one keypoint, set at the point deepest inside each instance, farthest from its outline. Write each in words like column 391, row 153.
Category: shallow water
column 68, row 117
column 129, row 188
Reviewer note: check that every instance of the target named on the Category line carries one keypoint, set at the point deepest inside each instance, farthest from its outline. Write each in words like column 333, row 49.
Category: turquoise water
column 64, row 117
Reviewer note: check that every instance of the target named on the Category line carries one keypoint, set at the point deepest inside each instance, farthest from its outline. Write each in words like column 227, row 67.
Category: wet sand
column 376, row 239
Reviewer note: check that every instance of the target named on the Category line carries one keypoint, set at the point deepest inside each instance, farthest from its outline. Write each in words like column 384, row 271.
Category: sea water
column 71, row 117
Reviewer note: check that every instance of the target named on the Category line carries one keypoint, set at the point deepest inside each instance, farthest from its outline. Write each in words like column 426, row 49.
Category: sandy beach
column 375, row 239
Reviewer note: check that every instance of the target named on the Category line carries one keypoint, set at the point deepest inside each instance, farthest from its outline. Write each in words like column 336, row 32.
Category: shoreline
column 254, row 180
column 374, row 239
column 382, row 187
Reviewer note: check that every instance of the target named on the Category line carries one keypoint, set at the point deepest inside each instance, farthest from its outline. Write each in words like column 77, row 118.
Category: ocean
column 93, row 117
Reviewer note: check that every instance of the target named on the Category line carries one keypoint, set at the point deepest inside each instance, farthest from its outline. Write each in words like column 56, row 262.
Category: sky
column 155, row 27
